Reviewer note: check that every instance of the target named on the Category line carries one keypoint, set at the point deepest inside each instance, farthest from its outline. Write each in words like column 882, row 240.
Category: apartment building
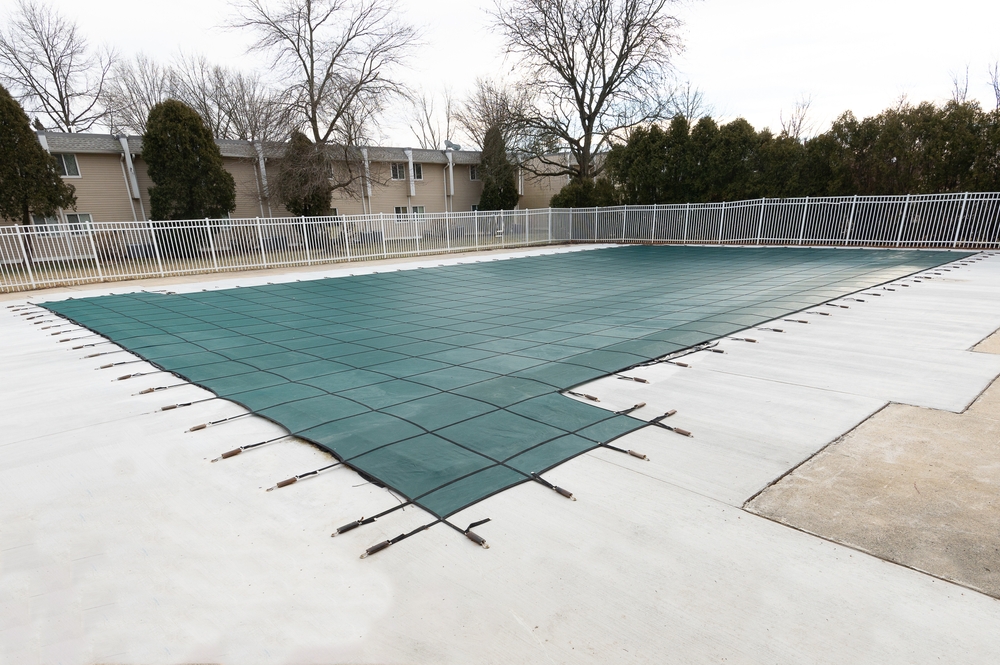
column 112, row 183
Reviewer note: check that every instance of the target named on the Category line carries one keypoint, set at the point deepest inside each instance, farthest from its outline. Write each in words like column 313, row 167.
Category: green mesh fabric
column 442, row 383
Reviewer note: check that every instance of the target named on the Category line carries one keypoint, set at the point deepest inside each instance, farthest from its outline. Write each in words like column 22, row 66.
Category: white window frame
column 475, row 207
column 78, row 225
column 474, row 172
column 398, row 170
column 418, row 171
column 75, row 224
column 61, row 159
column 50, row 224
column 406, row 215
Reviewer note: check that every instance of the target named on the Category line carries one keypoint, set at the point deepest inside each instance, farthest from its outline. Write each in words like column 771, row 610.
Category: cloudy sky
column 752, row 58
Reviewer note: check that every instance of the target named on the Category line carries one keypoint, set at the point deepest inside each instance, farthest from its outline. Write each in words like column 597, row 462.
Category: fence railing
column 62, row 254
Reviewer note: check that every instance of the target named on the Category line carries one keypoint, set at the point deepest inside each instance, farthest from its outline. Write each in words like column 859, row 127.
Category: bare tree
column 134, row 87
column 596, row 67
column 254, row 110
column 201, row 85
column 960, row 86
column 48, row 64
column 431, row 126
column 496, row 104
column 995, row 81
column 689, row 102
column 338, row 57
column 797, row 124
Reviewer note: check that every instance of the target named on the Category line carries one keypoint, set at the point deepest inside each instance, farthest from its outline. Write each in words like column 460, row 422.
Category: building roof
column 109, row 143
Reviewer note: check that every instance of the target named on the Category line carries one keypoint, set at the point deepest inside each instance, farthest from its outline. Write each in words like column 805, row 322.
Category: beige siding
column 145, row 183
column 101, row 189
column 539, row 190
column 248, row 192
column 467, row 191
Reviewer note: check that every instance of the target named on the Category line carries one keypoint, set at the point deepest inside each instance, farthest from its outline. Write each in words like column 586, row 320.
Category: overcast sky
column 751, row 58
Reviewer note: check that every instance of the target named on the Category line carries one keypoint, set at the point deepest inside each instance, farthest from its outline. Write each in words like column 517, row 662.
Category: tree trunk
column 26, row 221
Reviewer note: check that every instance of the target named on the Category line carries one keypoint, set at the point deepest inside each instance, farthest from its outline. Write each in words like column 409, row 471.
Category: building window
column 404, row 215
column 474, row 172
column 47, row 226
column 475, row 207
column 66, row 165
column 78, row 222
column 399, row 171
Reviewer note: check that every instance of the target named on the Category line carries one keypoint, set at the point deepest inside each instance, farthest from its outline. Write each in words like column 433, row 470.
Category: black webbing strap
column 566, row 493
column 403, row 536
column 295, row 479
column 350, row 526
column 622, row 450
column 470, row 534
column 236, row 451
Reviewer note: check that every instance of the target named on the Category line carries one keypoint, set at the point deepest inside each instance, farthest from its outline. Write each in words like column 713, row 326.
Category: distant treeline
column 907, row 150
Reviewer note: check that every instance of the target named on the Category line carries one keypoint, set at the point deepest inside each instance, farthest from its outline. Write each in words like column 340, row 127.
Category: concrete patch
column 915, row 486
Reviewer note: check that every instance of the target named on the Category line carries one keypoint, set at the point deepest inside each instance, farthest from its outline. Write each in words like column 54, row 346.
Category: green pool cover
column 442, row 383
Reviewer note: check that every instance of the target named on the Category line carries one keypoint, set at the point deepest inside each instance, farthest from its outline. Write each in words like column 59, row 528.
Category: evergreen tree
column 29, row 181
column 303, row 184
column 497, row 173
column 185, row 165
column 585, row 194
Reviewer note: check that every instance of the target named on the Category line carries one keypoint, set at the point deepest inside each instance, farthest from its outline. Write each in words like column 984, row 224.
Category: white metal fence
column 59, row 254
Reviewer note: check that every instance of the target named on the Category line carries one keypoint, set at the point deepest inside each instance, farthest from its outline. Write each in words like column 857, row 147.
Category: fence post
column 961, row 218
column 475, row 227
column 305, row 239
column 687, row 213
column 802, row 227
column 550, row 225
column 850, row 220
column 595, row 224
column 24, row 253
column 156, row 248
column 527, row 236
column 447, row 230
column 347, row 239
column 381, row 219
column 93, row 249
column 260, row 241
column 902, row 219
column 722, row 220
column 652, row 227
column 416, row 230
column 760, row 219
column 624, row 216
column 211, row 244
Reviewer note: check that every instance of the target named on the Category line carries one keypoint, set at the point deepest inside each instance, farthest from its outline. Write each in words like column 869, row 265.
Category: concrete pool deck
column 121, row 542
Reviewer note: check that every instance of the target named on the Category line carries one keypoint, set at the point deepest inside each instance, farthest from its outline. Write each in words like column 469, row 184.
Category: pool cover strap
column 403, row 536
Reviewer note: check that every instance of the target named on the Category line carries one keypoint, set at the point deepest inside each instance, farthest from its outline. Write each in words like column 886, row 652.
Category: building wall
column 102, row 189
column 539, row 190
column 467, row 191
